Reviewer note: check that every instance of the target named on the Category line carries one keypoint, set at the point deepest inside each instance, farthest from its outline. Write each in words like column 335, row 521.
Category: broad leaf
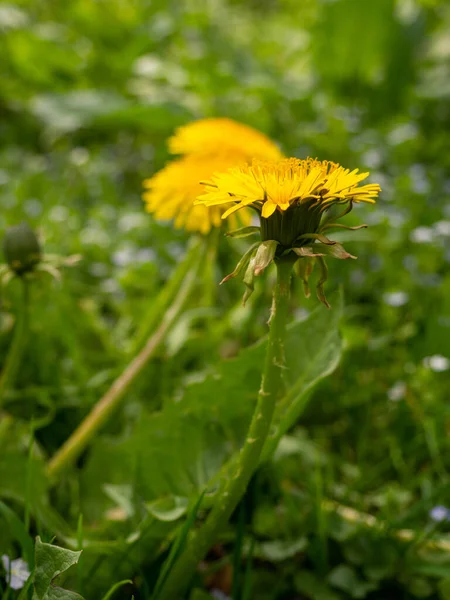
column 313, row 351
column 177, row 451
column 50, row 562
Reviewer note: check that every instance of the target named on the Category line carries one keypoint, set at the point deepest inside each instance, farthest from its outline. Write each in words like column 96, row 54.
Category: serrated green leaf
column 57, row 593
column 313, row 351
column 178, row 451
column 50, row 562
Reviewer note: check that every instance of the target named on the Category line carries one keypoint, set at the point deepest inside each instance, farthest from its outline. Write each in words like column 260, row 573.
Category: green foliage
column 178, row 547
column 89, row 94
column 116, row 587
column 177, row 451
column 50, row 563
column 18, row 533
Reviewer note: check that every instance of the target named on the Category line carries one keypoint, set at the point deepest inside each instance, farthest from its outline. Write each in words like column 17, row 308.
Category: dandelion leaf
column 176, row 452
column 50, row 562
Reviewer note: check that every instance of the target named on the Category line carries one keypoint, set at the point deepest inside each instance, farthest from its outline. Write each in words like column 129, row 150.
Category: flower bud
column 21, row 248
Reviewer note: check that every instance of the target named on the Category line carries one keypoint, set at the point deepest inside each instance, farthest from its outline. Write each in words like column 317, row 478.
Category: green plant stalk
column 17, row 347
column 234, row 488
column 106, row 406
column 167, row 294
column 209, row 270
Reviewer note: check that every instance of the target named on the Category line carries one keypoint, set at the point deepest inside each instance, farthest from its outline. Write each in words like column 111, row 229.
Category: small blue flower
column 439, row 514
column 16, row 572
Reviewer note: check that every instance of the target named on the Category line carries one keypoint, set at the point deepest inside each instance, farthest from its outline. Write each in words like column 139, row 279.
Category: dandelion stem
column 166, row 295
column 210, row 282
column 234, row 488
column 105, row 407
column 17, row 347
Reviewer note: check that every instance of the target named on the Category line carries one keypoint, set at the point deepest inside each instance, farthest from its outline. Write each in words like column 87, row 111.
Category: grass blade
column 177, row 548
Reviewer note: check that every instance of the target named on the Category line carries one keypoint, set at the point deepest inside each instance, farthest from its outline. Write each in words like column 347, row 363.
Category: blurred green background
column 90, row 91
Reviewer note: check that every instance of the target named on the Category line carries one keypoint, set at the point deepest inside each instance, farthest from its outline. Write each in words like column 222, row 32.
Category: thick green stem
column 105, row 407
column 16, row 349
column 233, row 490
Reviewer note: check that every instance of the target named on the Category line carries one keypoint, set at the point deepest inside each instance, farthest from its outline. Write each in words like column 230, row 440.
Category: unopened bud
column 21, row 248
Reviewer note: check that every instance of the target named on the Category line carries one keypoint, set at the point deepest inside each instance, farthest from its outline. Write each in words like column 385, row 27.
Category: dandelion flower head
column 279, row 185
column 291, row 196
column 205, row 146
column 211, row 136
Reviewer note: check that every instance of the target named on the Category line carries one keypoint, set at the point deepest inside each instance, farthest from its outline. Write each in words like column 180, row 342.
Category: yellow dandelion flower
column 211, row 136
column 291, row 197
column 279, row 185
column 208, row 146
column 170, row 193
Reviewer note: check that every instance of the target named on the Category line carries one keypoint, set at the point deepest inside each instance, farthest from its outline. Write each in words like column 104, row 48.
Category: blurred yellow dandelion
column 213, row 136
column 207, row 146
column 171, row 192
